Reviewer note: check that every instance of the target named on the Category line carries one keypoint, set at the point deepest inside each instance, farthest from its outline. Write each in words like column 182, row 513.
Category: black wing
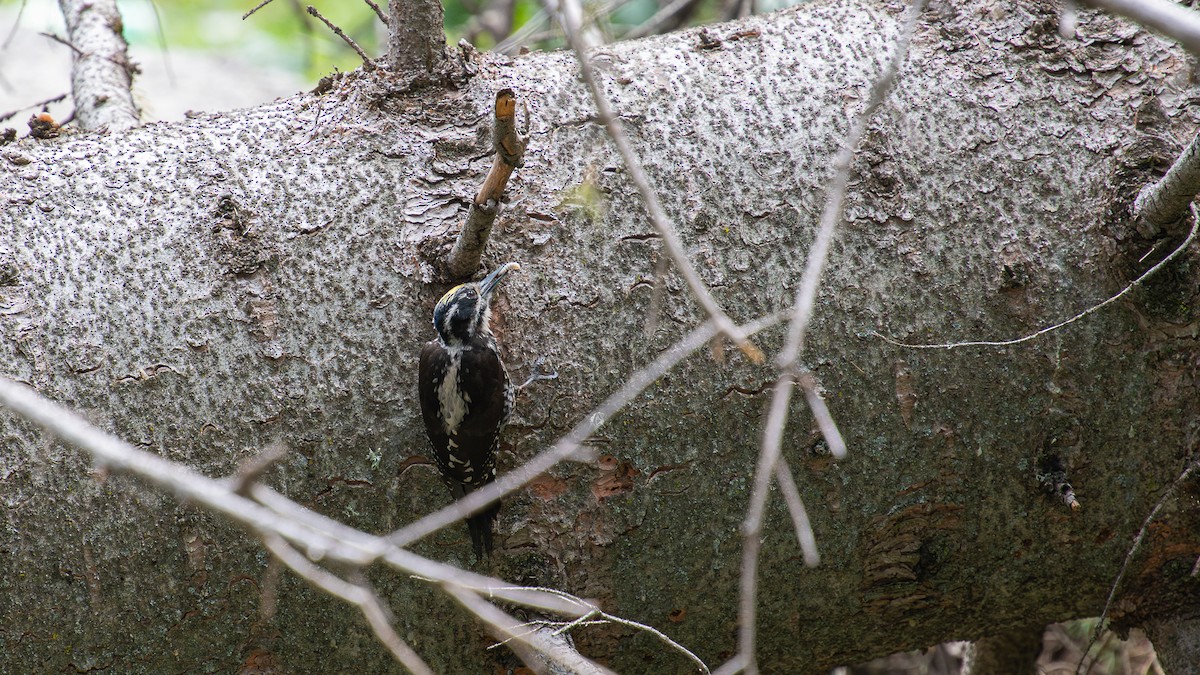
column 434, row 360
column 484, row 380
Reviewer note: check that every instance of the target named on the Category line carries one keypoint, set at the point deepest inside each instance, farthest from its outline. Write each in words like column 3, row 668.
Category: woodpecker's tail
column 480, row 526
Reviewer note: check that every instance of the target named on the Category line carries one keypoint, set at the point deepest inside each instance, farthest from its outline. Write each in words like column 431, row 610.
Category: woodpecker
column 466, row 396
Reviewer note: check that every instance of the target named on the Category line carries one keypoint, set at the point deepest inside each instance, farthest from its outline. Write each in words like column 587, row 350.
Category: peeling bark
column 207, row 287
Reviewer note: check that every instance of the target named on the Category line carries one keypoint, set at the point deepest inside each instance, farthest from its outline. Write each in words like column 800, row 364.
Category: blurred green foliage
column 282, row 34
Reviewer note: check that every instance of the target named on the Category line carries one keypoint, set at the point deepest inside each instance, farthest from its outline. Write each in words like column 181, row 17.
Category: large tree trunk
column 203, row 288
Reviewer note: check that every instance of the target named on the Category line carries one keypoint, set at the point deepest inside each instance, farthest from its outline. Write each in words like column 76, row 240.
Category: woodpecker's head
column 462, row 313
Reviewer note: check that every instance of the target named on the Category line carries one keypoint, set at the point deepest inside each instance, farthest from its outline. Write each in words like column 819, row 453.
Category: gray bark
column 1176, row 643
column 203, row 288
column 417, row 39
column 101, row 74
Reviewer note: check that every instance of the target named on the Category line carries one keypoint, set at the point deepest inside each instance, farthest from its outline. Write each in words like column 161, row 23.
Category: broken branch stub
column 1164, row 204
column 510, row 146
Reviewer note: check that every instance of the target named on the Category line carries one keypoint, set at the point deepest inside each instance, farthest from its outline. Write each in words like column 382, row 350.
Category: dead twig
column 252, row 468
column 368, row 63
column 64, row 42
column 596, row 616
column 556, row 650
column 40, row 104
column 257, row 7
column 662, row 637
column 327, row 529
column 523, row 34
column 661, row 18
column 378, row 12
column 821, row 414
column 509, row 145
column 791, row 496
column 162, row 43
column 268, row 515
column 16, row 24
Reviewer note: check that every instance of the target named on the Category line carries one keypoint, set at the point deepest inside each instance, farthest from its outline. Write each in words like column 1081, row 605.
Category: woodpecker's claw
column 538, row 374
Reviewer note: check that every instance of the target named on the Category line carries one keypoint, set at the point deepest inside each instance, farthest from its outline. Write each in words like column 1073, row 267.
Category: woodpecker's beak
column 492, row 280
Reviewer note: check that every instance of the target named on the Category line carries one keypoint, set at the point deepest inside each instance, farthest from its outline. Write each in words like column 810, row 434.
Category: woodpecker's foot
column 538, row 374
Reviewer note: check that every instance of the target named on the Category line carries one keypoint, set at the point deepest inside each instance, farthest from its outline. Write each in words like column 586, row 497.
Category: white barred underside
column 452, row 404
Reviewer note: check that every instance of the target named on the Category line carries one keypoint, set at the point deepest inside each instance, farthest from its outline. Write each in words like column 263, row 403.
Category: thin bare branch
column 1048, row 329
column 735, row 665
column 365, row 600
column 835, row 200
column 1175, row 21
column 585, row 620
column 368, row 63
column 524, row 33
column 788, row 358
column 407, row 562
column 791, row 496
column 115, row 455
column 40, row 104
column 252, row 468
column 64, row 42
column 257, row 7
column 378, row 12
column 569, row 445
column 821, row 414
column 597, row 616
column 569, row 15
column 558, row 625
column 162, row 43
column 1133, row 549
column 554, row 648
column 579, row 605
column 16, row 24
column 752, row 526
column 700, row 665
